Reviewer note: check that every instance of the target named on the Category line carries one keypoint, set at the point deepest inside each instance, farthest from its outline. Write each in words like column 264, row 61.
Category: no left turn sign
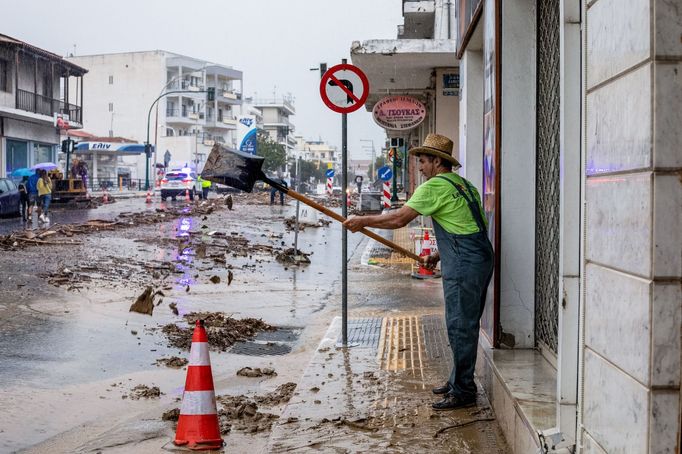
column 344, row 88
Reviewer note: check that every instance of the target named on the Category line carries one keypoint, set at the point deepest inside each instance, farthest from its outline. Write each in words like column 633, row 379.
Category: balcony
column 182, row 115
column 419, row 17
column 222, row 121
column 183, row 85
column 44, row 105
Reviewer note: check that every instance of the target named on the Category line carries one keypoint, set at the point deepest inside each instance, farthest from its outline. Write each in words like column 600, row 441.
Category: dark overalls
column 467, row 266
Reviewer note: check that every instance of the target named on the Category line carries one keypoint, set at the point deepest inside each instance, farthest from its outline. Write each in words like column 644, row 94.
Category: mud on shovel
column 241, row 171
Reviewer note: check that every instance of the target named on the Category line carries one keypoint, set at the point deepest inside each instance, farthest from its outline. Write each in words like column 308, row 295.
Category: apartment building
column 276, row 113
column 183, row 124
column 34, row 90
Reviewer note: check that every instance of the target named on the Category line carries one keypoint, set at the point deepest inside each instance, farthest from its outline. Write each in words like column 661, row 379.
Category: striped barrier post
column 329, row 186
column 198, row 426
column 387, row 194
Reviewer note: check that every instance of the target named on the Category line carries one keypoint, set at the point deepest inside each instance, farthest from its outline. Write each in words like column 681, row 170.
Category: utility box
column 370, row 201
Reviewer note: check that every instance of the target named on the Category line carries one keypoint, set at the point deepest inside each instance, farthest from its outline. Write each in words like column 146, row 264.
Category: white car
column 177, row 182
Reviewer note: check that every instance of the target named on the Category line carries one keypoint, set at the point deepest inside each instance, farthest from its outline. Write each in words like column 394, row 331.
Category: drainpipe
column 449, row 20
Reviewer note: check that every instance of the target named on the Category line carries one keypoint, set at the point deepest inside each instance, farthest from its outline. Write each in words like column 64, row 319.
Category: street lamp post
column 147, row 145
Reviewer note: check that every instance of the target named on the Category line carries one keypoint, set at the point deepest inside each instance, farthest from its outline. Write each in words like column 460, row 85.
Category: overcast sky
column 274, row 42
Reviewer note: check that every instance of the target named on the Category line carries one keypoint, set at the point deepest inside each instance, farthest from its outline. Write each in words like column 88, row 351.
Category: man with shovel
column 464, row 250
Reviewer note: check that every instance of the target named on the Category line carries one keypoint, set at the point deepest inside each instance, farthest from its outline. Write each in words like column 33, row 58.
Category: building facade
column 277, row 123
column 183, row 125
column 568, row 123
column 34, row 90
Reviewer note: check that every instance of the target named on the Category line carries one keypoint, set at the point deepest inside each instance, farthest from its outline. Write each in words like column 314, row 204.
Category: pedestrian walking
column 205, row 187
column 465, row 253
column 45, row 194
column 274, row 191
column 32, row 187
column 23, row 197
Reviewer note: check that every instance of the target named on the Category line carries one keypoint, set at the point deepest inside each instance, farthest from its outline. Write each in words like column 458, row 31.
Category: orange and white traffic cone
column 426, row 251
column 149, row 196
column 186, row 195
column 105, row 196
column 198, row 427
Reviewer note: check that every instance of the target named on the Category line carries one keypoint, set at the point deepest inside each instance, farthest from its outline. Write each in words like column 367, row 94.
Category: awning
column 109, row 147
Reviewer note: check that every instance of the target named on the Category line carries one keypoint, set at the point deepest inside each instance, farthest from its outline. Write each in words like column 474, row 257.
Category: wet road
column 72, row 357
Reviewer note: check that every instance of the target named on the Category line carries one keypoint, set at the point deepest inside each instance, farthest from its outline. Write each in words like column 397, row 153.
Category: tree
column 274, row 153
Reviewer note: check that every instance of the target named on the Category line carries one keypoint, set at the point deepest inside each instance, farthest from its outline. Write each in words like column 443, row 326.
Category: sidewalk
column 376, row 395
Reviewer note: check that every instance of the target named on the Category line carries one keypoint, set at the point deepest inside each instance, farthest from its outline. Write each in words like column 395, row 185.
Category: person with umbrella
column 32, row 189
column 45, row 194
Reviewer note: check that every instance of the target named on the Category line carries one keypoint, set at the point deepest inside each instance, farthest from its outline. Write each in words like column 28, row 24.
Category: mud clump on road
column 291, row 256
column 256, row 372
column 222, row 331
column 144, row 303
column 173, row 362
column 171, row 415
column 241, row 413
column 145, row 392
column 279, row 396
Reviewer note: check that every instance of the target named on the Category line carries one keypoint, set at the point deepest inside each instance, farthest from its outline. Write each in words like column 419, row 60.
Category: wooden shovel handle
column 340, row 218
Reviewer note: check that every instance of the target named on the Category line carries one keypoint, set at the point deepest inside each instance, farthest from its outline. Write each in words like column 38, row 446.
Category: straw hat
column 437, row 145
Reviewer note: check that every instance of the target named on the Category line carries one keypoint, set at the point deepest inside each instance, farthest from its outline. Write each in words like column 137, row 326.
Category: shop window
column 16, row 155
column 42, row 153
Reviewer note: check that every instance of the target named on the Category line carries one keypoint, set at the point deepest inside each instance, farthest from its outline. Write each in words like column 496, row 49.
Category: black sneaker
column 452, row 402
column 441, row 389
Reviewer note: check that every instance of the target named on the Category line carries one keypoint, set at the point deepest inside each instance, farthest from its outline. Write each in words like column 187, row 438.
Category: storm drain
column 269, row 343
column 363, row 332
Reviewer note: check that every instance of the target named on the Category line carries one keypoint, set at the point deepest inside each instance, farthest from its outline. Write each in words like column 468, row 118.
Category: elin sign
column 399, row 112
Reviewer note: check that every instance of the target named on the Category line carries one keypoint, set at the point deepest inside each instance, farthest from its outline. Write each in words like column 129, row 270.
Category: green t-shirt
column 440, row 200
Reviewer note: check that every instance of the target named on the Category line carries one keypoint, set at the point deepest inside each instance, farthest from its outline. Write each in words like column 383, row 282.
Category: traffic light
column 148, row 150
column 323, row 69
column 68, row 145
column 210, row 93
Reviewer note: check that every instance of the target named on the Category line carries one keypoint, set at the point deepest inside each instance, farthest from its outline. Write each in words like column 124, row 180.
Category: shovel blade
column 232, row 168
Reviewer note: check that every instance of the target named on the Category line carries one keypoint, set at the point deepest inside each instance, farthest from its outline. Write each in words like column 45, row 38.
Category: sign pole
column 344, row 232
column 394, row 197
column 344, row 88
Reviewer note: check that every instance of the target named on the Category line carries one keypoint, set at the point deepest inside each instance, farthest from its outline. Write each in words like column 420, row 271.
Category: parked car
column 176, row 182
column 9, row 197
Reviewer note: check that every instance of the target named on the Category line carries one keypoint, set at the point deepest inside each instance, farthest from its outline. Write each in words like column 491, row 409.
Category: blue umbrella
column 45, row 166
column 22, row 172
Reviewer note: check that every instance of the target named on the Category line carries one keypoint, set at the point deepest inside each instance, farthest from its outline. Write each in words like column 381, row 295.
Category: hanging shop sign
column 399, row 112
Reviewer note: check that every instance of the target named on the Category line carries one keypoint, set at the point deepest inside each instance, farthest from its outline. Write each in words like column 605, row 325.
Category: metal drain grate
column 364, row 332
column 269, row 343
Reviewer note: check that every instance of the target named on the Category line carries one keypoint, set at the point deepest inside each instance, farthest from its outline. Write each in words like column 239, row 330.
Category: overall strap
column 471, row 202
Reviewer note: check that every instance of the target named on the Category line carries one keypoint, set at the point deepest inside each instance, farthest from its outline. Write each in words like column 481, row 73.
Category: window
column 169, row 132
column 42, row 153
column 111, row 107
column 3, row 186
column 16, row 155
column 111, row 80
column 4, row 67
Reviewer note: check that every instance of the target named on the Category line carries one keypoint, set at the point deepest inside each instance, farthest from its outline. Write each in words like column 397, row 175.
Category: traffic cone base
column 198, row 427
column 149, row 197
column 187, row 195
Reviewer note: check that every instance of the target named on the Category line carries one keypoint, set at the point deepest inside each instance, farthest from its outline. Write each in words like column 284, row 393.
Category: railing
column 183, row 112
column 116, row 184
column 44, row 105
column 183, row 85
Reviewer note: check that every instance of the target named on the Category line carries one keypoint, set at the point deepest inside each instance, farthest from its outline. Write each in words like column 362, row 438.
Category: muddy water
column 68, row 347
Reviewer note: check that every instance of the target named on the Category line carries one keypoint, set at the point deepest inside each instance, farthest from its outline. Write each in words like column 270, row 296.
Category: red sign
column 399, row 112
column 344, row 88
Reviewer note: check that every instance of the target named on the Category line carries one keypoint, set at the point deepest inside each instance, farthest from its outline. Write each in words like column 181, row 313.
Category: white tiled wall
column 633, row 227
column 618, row 37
